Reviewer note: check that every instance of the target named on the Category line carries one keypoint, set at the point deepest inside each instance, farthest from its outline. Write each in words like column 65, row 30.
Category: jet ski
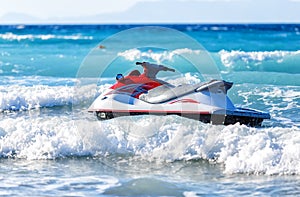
column 139, row 94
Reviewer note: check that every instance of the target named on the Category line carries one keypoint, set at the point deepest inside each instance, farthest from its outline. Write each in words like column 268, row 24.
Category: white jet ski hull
column 207, row 103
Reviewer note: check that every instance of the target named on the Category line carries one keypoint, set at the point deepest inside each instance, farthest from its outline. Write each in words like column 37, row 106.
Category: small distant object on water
column 102, row 47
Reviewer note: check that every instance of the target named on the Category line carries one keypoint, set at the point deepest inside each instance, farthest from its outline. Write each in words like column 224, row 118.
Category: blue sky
column 63, row 8
column 150, row 11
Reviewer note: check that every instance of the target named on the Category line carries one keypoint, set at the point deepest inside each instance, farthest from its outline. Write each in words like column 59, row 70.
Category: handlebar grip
column 138, row 63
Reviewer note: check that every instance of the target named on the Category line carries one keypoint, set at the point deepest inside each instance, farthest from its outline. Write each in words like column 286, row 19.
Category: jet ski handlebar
column 165, row 68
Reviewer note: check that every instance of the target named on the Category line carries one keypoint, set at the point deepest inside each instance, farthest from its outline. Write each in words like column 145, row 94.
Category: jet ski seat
column 166, row 92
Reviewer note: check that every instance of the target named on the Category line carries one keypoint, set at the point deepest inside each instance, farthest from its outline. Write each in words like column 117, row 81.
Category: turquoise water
column 51, row 146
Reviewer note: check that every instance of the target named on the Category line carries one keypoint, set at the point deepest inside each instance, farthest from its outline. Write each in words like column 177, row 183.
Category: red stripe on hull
column 185, row 101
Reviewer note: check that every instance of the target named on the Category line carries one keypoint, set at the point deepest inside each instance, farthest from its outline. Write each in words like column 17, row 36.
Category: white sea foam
column 239, row 148
column 276, row 95
column 283, row 102
column 19, row 97
column 3, row 54
column 19, row 37
column 133, row 54
column 186, row 78
column 230, row 58
column 269, row 151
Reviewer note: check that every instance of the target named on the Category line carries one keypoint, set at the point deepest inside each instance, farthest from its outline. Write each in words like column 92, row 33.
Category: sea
column 50, row 145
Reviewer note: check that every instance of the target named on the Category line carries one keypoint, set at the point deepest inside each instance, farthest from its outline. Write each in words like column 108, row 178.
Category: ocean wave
column 19, row 37
column 167, row 139
column 261, row 61
column 269, row 151
column 268, row 61
column 157, row 56
column 20, row 98
column 282, row 102
column 36, row 80
column 38, row 92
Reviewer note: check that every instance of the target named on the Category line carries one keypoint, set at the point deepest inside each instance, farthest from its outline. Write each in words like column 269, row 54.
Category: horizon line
column 159, row 23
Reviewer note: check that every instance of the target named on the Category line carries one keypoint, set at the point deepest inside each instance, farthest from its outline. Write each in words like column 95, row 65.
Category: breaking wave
column 262, row 61
column 157, row 56
column 239, row 148
column 20, row 98
column 267, row 61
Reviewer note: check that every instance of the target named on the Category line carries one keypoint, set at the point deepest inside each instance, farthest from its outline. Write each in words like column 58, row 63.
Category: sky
column 149, row 11
column 64, row 8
